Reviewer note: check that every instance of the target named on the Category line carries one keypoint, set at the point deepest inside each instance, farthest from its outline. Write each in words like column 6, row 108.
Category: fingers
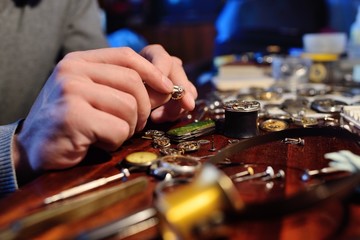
column 115, row 83
column 155, row 69
column 106, row 99
column 179, row 78
column 67, row 127
column 172, row 67
column 99, row 98
column 128, row 72
column 116, row 80
column 128, row 58
column 168, row 112
column 111, row 135
column 157, row 99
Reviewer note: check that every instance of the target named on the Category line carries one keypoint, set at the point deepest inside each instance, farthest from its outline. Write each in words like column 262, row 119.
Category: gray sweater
column 32, row 39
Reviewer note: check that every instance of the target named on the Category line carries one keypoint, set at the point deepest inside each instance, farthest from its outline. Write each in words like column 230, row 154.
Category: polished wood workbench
column 332, row 219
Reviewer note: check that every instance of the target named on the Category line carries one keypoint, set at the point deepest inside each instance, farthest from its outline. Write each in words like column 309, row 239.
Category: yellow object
column 225, row 59
column 198, row 205
column 321, row 57
column 141, row 158
column 321, row 67
column 273, row 125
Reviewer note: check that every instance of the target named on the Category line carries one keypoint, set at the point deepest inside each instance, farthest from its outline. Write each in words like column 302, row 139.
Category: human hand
column 98, row 98
column 172, row 68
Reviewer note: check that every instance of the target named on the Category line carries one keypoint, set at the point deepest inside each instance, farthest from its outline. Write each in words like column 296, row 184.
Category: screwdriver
column 86, row 187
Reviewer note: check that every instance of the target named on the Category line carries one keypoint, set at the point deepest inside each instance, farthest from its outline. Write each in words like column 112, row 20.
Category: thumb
column 157, row 99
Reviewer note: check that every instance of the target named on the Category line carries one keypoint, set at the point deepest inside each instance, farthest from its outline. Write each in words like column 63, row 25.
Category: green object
column 192, row 128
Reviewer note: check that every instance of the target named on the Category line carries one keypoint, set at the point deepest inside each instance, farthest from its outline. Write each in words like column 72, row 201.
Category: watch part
column 141, row 158
column 189, row 146
column 274, row 125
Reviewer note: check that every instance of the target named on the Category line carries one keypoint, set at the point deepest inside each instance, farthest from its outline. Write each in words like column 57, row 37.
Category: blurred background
column 198, row 30
column 184, row 27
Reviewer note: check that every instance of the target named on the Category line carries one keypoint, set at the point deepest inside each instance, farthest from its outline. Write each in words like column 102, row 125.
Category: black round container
column 241, row 118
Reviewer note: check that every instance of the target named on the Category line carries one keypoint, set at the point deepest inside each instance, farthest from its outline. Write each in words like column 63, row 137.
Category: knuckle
column 134, row 77
column 69, row 86
column 157, row 46
column 132, row 105
column 128, row 52
column 69, row 113
column 124, row 131
column 63, row 117
column 68, row 64
column 146, row 112
column 177, row 60
column 64, row 65
column 73, row 55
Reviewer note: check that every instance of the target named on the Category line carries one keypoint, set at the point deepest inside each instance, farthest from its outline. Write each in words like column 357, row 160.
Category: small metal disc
column 241, row 106
column 274, row 125
column 189, row 146
column 151, row 134
column 161, row 142
column 171, row 151
column 203, row 141
column 306, row 121
column 141, row 158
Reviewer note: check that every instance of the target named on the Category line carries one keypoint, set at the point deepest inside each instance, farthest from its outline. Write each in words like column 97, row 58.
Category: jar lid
column 242, row 106
column 321, row 57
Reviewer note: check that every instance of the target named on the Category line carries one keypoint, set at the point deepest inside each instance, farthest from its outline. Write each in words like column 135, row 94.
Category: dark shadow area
column 23, row 3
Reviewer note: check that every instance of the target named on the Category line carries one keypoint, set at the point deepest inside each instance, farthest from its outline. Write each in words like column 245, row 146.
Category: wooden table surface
column 332, row 219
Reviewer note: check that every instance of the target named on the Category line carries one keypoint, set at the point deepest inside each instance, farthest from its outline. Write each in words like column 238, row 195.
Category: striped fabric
column 8, row 182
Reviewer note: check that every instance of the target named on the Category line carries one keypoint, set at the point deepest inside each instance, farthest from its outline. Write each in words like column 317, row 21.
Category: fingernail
column 168, row 84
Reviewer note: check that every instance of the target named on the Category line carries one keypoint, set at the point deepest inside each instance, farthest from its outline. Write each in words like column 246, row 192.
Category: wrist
column 23, row 169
